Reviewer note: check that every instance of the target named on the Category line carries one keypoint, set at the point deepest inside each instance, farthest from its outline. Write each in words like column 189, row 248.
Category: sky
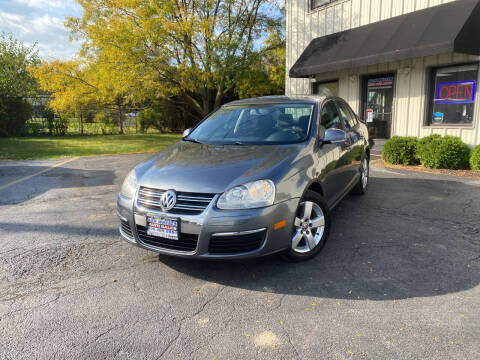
column 41, row 21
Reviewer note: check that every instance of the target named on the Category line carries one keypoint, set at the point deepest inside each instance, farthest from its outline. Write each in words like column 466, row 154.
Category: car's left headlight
column 129, row 186
column 255, row 194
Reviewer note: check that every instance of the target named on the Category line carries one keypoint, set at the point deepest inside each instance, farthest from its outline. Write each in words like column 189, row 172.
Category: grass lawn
column 68, row 146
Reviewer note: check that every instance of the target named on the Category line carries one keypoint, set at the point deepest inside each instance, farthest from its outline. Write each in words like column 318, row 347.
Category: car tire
column 308, row 239
column 362, row 185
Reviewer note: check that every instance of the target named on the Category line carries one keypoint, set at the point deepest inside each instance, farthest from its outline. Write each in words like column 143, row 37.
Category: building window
column 327, row 88
column 314, row 4
column 452, row 95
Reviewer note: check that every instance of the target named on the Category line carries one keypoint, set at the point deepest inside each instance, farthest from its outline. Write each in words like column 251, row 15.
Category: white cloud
column 40, row 21
column 41, row 4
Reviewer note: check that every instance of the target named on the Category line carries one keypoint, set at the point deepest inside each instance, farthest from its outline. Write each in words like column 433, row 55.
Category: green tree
column 266, row 75
column 16, row 84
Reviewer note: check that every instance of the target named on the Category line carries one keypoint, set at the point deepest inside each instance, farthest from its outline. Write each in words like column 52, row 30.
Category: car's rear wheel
column 311, row 227
column 362, row 185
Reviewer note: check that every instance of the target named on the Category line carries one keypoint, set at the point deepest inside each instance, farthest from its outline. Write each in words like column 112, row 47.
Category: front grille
column 187, row 203
column 236, row 243
column 186, row 242
column 127, row 230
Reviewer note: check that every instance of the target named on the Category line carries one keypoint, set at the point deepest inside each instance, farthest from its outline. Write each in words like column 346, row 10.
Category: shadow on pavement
column 406, row 238
column 57, row 178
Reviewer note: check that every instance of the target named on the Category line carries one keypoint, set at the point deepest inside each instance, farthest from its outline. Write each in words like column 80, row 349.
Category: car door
column 334, row 175
column 355, row 139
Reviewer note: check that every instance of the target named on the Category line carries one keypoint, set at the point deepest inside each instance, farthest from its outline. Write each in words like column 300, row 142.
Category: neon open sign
column 459, row 92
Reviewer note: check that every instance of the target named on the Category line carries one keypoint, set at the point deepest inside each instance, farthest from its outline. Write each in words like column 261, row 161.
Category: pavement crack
column 206, row 304
column 172, row 342
column 467, row 206
column 103, row 333
column 14, row 249
column 220, row 330
column 292, row 346
column 185, row 318
column 59, row 295
column 56, row 298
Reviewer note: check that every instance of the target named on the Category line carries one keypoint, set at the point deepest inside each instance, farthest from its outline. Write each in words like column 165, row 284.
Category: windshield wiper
column 192, row 140
column 232, row 143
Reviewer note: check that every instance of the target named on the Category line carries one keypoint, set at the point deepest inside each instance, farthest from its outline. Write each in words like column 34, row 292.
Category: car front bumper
column 229, row 225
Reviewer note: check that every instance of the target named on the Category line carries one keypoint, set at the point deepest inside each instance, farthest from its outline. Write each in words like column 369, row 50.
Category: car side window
column 354, row 116
column 330, row 118
column 348, row 117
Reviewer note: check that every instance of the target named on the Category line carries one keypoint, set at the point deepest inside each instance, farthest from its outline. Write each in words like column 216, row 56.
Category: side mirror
column 187, row 132
column 334, row 136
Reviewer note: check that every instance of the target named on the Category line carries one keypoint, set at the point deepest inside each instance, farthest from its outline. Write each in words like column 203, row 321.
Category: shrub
column 401, row 150
column 428, row 151
column 14, row 113
column 33, row 127
column 448, row 152
column 475, row 159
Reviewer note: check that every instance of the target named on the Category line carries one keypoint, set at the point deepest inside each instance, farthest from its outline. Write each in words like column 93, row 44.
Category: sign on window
column 453, row 94
column 380, row 83
column 459, row 92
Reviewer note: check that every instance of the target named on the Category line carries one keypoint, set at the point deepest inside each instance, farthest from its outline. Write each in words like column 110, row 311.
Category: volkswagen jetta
column 256, row 177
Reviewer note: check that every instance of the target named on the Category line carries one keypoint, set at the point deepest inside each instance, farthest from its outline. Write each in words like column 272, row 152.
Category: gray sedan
column 256, row 177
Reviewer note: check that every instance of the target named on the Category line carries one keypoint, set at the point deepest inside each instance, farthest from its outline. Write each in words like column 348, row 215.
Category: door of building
column 378, row 92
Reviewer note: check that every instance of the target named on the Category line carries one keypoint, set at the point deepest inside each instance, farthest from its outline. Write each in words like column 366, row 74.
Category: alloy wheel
column 309, row 227
column 365, row 171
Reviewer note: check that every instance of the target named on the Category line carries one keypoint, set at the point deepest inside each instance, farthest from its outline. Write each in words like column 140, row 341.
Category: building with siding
column 408, row 67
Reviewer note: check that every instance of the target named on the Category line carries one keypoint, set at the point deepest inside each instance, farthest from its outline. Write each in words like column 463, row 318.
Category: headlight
column 254, row 194
column 129, row 186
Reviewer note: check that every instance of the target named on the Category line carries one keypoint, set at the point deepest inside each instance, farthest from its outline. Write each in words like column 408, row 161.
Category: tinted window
column 330, row 117
column 347, row 115
column 263, row 124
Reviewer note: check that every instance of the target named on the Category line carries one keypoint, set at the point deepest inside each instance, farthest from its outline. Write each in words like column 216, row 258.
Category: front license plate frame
column 165, row 227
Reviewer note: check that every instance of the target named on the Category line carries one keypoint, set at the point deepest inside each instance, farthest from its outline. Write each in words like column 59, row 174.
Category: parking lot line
column 3, row 187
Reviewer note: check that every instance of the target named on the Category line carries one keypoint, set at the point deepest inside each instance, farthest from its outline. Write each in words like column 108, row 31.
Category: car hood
column 203, row 168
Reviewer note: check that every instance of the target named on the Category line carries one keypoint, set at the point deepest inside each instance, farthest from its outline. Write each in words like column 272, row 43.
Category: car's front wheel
column 311, row 227
column 362, row 185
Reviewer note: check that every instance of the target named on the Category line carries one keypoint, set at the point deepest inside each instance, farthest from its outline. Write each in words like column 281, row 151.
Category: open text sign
column 460, row 92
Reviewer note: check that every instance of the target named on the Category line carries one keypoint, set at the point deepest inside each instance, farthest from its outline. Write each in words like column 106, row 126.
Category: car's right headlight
column 255, row 194
column 129, row 186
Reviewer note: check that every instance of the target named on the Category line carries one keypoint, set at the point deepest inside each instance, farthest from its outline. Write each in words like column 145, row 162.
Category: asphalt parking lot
column 399, row 278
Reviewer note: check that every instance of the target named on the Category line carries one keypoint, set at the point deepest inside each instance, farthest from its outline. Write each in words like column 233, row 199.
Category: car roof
column 265, row 100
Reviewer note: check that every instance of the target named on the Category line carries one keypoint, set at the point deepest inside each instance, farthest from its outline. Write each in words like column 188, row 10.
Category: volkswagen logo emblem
column 168, row 200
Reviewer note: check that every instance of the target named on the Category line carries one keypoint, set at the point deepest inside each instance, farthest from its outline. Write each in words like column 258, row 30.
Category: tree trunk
column 81, row 124
column 120, row 120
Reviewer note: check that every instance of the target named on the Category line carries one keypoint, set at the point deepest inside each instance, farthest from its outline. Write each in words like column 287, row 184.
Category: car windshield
column 259, row 125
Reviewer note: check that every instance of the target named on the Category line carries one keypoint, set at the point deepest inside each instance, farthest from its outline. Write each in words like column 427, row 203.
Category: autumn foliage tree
column 68, row 85
column 79, row 86
column 192, row 53
column 176, row 59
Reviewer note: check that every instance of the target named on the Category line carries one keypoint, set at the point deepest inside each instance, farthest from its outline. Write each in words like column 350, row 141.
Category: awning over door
column 452, row 27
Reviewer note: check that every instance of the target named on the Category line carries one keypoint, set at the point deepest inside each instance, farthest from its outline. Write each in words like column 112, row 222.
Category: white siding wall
column 410, row 100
